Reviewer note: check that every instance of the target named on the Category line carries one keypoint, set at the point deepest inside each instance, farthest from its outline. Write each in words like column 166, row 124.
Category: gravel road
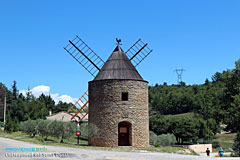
column 8, row 151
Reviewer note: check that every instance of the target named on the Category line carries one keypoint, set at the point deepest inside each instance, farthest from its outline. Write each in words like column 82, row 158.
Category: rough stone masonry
column 107, row 110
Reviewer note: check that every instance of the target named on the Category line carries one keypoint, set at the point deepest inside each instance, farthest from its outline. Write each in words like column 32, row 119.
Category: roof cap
column 118, row 66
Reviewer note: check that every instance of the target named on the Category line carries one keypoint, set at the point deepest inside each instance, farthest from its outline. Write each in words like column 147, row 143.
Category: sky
column 200, row 36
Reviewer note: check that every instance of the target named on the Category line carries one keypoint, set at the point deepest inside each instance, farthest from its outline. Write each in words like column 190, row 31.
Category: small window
column 124, row 96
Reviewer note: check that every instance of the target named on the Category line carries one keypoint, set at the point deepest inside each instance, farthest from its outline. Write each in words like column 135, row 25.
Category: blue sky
column 201, row 36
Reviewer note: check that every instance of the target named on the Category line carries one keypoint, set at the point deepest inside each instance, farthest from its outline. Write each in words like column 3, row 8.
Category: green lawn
column 225, row 141
column 72, row 142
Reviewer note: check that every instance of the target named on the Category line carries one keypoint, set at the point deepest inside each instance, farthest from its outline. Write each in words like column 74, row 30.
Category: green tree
column 54, row 129
column 29, row 127
column 48, row 101
column 67, row 130
column 229, row 107
column 9, row 126
column 185, row 127
column 43, row 128
column 14, row 90
column 236, row 145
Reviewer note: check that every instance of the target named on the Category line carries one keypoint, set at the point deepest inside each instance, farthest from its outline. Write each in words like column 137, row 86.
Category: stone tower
column 118, row 105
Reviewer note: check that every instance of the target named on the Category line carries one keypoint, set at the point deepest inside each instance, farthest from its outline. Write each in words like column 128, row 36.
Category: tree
column 48, row 101
column 229, row 107
column 185, row 127
column 9, row 126
column 236, row 145
column 54, row 129
column 43, row 128
column 217, row 77
column 29, row 127
column 14, row 90
column 67, row 130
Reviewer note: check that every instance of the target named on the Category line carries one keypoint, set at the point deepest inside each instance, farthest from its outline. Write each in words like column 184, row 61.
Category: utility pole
column 5, row 106
column 207, row 124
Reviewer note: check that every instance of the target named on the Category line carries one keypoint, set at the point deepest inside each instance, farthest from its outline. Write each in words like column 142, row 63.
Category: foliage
column 185, row 128
column 215, row 144
column 23, row 107
column 153, row 138
column 165, row 140
column 162, row 140
column 84, row 131
column 54, row 130
column 9, row 124
column 46, row 128
column 29, row 127
column 229, row 101
column 67, row 130
column 236, row 145
column 43, row 128
column 92, row 129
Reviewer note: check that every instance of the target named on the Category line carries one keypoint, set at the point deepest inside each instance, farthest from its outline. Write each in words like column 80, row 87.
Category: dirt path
column 65, row 153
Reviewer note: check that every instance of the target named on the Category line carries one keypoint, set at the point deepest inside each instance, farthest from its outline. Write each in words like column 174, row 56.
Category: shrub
column 84, row 131
column 236, row 145
column 162, row 140
column 153, row 138
column 165, row 140
column 215, row 144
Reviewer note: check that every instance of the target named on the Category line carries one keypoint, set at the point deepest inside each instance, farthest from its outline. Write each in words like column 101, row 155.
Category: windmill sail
column 84, row 55
column 138, row 52
column 82, row 104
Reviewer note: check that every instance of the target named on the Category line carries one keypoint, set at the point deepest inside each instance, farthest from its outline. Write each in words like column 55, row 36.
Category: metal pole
column 5, row 106
column 207, row 123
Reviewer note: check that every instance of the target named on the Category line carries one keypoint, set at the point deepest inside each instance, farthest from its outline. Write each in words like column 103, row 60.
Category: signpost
column 78, row 133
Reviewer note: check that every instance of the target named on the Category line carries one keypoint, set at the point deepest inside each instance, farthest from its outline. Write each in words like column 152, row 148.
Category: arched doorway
column 124, row 133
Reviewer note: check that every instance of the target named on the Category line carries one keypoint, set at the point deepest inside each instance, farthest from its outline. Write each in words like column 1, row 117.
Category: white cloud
column 37, row 91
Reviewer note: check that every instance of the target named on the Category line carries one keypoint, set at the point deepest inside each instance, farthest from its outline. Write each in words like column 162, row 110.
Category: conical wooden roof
column 118, row 67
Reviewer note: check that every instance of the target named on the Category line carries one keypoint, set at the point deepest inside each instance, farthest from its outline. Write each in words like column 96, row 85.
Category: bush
column 236, row 145
column 84, row 131
column 153, row 138
column 165, row 140
column 215, row 144
column 162, row 140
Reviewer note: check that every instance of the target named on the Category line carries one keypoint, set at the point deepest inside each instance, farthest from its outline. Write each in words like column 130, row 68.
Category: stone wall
column 106, row 110
column 200, row 148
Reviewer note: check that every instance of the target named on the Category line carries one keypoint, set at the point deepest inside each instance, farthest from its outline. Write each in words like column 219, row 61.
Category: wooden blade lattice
column 84, row 55
column 138, row 52
column 81, row 104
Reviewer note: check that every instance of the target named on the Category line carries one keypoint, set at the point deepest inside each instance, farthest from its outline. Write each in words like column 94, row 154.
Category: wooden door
column 123, row 134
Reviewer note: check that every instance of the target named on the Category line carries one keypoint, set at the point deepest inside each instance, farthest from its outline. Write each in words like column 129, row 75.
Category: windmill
column 91, row 62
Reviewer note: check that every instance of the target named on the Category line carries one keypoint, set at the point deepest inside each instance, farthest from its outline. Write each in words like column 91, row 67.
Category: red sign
column 78, row 133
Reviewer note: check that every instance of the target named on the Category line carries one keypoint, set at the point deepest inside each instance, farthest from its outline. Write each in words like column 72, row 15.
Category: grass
column 72, row 142
column 189, row 114
column 225, row 141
